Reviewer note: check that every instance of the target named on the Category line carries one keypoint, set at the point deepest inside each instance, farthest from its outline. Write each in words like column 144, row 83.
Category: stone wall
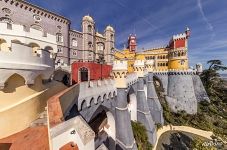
column 181, row 94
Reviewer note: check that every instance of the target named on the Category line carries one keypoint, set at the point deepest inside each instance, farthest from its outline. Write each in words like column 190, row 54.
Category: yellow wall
column 176, row 64
column 162, row 62
column 20, row 105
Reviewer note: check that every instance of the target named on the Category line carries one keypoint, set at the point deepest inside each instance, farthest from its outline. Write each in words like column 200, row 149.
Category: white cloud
column 209, row 25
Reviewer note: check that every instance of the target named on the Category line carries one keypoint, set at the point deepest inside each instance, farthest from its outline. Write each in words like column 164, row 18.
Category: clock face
column 133, row 41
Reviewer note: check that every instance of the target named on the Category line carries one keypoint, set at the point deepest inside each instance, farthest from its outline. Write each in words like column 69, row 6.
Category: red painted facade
column 180, row 43
column 132, row 45
column 95, row 71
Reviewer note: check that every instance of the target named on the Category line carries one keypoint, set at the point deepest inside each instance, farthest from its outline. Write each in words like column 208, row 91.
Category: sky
column 154, row 22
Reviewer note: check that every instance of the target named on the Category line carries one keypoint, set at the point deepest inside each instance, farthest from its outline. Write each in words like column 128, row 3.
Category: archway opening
column 62, row 76
column 3, row 45
column 83, row 74
column 13, row 82
column 103, row 124
column 35, row 49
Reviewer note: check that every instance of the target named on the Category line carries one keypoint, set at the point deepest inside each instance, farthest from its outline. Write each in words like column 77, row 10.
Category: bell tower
column 132, row 45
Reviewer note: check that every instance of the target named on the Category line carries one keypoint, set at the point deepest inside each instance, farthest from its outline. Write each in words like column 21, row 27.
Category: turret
column 139, row 68
column 109, row 34
column 120, row 69
column 88, row 29
column 149, row 65
column 199, row 68
column 178, row 53
column 132, row 45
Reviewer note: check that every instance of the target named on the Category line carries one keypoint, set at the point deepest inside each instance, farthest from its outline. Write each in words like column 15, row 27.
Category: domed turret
column 109, row 28
column 88, row 18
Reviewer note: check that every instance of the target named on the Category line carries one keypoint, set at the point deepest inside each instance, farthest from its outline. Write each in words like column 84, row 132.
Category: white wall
column 132, row 107
column 33, row 36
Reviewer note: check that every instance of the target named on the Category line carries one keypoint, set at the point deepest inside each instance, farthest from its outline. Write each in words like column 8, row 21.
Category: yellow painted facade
column 20, row 104
column 172, row 57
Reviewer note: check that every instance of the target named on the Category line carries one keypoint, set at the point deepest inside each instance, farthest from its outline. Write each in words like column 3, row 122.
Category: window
column 100, row 47
column 111, row 37
column 59, row 37
column 9, row 26
column 74, row 53
column 89, row 28
column 89, row 44
column 60, row 50
column 74, row 43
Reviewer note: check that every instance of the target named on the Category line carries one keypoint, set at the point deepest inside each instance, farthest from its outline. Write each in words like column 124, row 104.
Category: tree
column 212, row 81
column 140, row 136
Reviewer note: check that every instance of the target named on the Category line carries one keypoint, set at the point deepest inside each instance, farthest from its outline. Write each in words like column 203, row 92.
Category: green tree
column 140, row 136
column 212, row 81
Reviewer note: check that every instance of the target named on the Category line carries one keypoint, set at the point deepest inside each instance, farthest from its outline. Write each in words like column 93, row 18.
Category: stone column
column 143, row 112
column 153, row 101
column 124, row 134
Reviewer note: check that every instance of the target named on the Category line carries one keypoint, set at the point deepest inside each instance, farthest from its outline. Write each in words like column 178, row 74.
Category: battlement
column 139, row 63
column 20, row 34
column 120, row 65
column 175, row 72
column 179, row 36
column 149, row 62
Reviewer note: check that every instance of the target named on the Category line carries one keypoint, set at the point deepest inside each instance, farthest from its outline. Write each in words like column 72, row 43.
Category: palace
column 61, row 88
column 172, row 57
column 72, row 45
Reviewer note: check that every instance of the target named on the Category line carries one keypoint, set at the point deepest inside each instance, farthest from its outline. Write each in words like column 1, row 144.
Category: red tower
column 132, row 46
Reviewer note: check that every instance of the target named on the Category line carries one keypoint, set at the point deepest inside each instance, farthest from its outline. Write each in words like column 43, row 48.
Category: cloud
column 209, row 25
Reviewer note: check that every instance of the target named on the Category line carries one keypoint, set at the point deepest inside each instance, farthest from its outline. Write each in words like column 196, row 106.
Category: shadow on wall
column 17, row 80
column 62, row 76
column 13, row 82
column 178, row 141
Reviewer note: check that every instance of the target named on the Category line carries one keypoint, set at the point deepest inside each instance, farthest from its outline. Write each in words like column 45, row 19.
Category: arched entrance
column 83, row 74
column 103, row 124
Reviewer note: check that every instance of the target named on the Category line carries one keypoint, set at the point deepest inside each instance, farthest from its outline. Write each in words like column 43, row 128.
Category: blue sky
column 154, row 22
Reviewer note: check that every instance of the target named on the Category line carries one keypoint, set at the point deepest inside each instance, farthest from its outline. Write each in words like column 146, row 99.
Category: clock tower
column 132, row 46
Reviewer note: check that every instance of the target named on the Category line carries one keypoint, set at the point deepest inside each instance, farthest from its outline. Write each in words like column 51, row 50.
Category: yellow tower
column 178, row 51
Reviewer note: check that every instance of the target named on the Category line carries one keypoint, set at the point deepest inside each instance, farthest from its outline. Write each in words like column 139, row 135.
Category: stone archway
column 62, row 76
column 103, row 124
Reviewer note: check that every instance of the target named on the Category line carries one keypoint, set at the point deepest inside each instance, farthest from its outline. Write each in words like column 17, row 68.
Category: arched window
column 3, row 45
column 89, row 28
column 74, row 43
column 100, row 47
column 35, row 49
column 89, row 44
column 59, row 37
column 111, row 37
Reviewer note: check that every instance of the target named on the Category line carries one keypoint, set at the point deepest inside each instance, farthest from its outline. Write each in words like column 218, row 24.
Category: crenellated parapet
column 30, row 36
column 139, row 68
column 120, row 69
column 20, row 60
column 149, row 65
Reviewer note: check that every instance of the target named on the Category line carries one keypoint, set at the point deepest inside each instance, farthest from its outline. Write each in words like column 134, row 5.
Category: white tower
column 88, row 29
column 109, row 44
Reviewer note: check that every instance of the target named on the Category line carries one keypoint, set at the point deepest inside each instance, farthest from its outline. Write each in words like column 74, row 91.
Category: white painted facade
column 18, row 33
column 75, row 130
column 19, row 55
